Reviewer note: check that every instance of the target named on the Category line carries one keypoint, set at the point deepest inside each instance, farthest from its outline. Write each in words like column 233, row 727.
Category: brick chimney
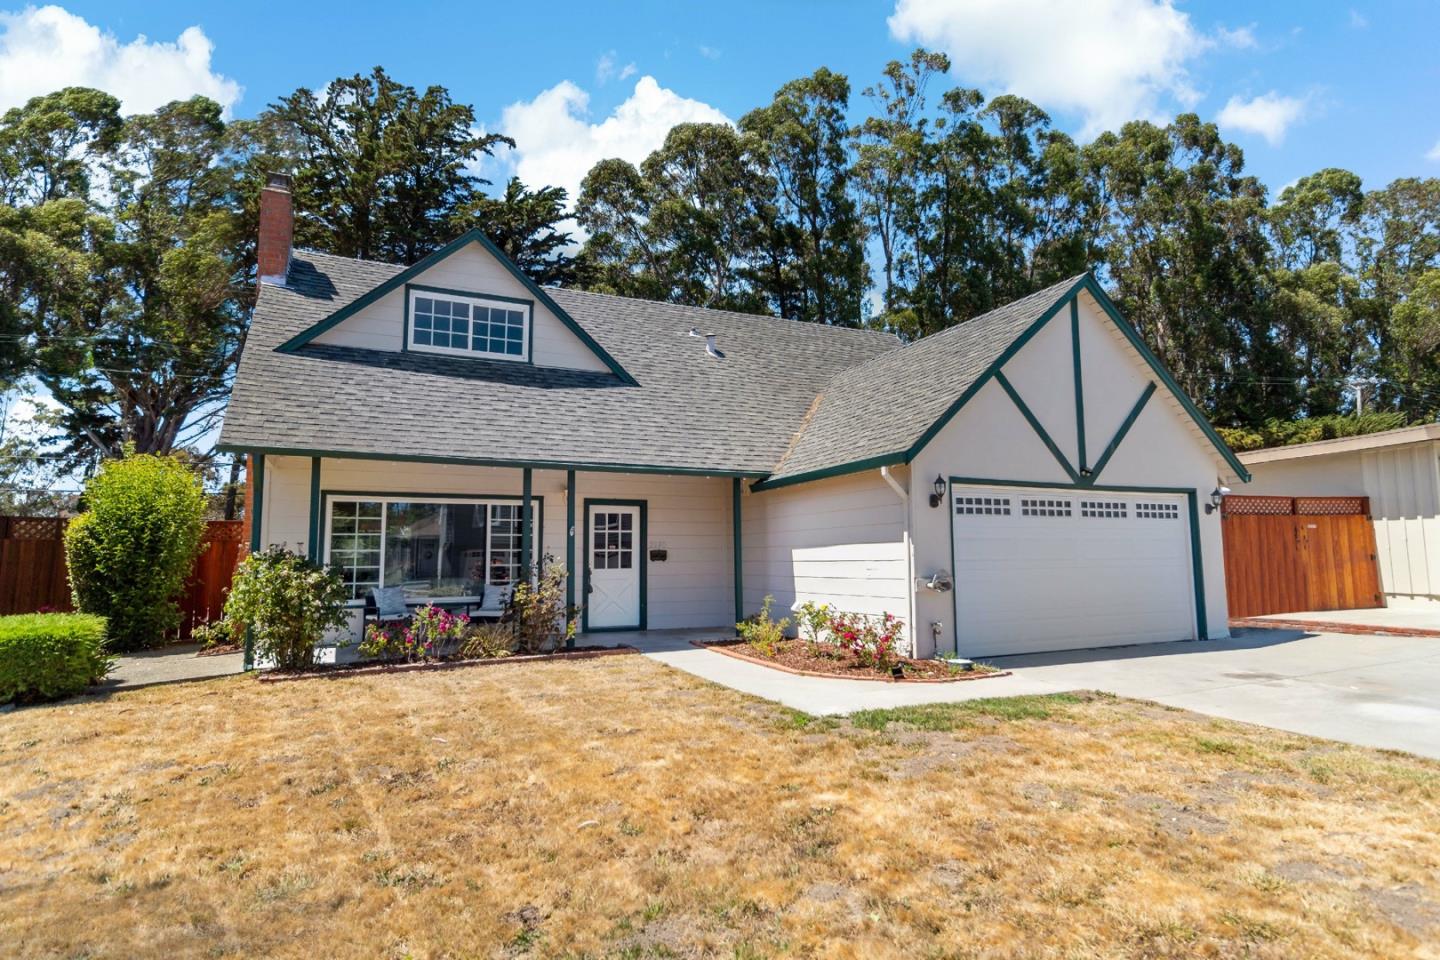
column 277, row 229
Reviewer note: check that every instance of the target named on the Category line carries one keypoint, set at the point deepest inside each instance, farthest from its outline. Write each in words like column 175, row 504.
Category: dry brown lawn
column 617, row 808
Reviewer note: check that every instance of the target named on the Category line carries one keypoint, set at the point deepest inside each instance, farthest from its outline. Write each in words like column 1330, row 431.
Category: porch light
column 1217, row 497
column 937, row 496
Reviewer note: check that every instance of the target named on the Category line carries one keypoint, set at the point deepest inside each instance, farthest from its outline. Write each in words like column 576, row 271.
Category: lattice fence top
column 33, row 528
column 1249, row 506
column 1332, row 505
column 225, row 531
column 1289, row 506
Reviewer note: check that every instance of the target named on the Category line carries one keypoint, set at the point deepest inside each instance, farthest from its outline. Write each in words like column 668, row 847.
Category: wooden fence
column 33, row 575
column 1291, row 554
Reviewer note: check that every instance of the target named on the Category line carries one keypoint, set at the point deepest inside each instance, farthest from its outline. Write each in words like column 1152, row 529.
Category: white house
column 1029, row 480
column 1399, row 470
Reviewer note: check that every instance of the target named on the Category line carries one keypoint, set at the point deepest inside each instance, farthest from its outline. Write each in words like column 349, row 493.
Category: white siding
column 687, row 516
column 839, row 541
column 380, row 325
column 990, row 440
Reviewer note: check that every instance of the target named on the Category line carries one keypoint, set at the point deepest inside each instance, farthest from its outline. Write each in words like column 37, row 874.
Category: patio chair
column 384, row 605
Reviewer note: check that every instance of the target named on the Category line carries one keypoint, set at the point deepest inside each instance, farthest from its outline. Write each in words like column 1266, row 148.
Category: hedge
column 46, row 656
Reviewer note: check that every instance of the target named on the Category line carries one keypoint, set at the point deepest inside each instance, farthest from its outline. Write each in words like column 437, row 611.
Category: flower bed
column 828, row 660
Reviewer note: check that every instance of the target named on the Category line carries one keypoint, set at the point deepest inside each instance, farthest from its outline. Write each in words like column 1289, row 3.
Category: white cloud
column 45, row 48
column 1108, row 60
column 1241, row 38
column 709, row 53
column 628, row 71
column 1433, row 155
column 1270, row 115
column 606, row 69
column 556, row 144
column 1358, row 20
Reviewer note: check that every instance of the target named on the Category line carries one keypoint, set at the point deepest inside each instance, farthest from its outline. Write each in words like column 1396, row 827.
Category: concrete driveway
column 1378, row 691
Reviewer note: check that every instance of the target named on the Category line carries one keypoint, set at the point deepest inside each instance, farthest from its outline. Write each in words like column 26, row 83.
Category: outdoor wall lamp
column 937, row 495
column 1217, row 497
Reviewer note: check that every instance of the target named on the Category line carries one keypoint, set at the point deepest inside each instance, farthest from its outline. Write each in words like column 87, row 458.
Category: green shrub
column 287, row 602
column 762, row 633
column 487, row 641
column 44, row 656
column 540, row 619
column 131, row 551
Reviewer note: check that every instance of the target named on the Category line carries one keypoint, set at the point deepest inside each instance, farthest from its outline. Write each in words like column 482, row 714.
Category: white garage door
column 1039, row 570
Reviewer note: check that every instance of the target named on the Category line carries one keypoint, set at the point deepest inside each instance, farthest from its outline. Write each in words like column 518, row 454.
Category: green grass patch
column 954, row 716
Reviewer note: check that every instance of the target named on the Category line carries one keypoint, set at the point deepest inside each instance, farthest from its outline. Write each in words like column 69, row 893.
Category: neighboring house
column 1399, row 470
column 686, row 463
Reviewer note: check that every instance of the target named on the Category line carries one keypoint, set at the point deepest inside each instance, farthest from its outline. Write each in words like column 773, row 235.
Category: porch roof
column 687, row 412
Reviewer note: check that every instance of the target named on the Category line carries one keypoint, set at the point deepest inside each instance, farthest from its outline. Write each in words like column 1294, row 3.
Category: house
column 1398, row 470
column 1029, row 480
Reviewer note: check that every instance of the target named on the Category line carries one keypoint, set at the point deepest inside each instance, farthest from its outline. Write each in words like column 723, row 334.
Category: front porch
column 644, row 553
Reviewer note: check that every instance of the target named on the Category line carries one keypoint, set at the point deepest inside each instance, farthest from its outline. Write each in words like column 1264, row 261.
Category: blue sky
column 1299, row 86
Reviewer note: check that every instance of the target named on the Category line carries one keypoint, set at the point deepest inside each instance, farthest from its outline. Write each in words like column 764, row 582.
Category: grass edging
column 367, row 670
column 728, row 648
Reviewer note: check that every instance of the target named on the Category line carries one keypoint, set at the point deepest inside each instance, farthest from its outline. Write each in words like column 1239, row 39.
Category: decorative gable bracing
column 886, row 410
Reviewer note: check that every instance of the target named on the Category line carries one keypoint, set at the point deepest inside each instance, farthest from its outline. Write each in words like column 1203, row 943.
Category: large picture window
column 470, row 326
column 432, row 548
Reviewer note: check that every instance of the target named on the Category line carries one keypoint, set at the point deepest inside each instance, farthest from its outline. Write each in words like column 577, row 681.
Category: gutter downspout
column 904, row 496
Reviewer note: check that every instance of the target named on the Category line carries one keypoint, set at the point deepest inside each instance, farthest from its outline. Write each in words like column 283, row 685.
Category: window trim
column 329, row 497
column 527, row 338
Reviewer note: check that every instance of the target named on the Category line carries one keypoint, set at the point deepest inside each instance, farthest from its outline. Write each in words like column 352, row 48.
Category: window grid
column 1157, row 511
column 357, row 534
column 612, row 541
column 986, row 506
column 1103, row 509
column 443, row 323
column 1044, row 507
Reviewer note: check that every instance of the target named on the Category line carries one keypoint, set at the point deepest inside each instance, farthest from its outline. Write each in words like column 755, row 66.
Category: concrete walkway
column 168, row 665
column 1413, row 617
column 1370, row 690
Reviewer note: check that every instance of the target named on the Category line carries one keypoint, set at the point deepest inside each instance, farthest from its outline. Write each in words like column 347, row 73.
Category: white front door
column 1040, row 570
column 614, row 566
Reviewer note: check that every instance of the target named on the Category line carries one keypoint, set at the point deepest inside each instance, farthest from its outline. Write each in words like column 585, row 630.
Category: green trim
column 1015, row 347
column 409, row 496
column 1197, row 566
column 569, row 554
column 883, row 460
column 515, row 464
column 405, row 276
column 413, row 288
column 1035, row 425
column 314, row 551
column 1125, row 426
column 736, row 549
column 256, row 479
column 642, row 558
column 527, row 559
column 1108, row 305
column 1079, row 386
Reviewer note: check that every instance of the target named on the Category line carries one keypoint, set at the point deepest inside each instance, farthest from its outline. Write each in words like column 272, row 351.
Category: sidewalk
column 168, row 665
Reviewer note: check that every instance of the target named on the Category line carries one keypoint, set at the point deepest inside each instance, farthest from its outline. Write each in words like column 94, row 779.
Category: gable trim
column 1035, row 425
column 407, row 275
column 1131, row 334
column 1125, row 426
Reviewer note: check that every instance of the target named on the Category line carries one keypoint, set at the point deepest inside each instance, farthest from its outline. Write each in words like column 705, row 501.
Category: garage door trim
column 1197, row 573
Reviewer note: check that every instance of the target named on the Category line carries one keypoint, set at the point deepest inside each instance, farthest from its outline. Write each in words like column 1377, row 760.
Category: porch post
column 569, row 555
column 255, row 481
column 739, row 575
column 526, row 513
column 314, row 542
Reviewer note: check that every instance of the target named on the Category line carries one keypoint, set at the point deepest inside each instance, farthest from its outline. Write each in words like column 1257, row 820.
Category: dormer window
column 469, row 325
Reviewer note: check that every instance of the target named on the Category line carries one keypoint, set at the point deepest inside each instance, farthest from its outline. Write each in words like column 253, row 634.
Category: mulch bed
column 330, row 671
column 219, row 648
column 794, row 656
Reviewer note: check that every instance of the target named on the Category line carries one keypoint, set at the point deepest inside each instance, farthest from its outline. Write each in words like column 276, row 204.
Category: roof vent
column 695, row 332
column 710, row 347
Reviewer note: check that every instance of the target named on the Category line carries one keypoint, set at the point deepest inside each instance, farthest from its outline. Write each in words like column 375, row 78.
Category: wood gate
column 1287, row 554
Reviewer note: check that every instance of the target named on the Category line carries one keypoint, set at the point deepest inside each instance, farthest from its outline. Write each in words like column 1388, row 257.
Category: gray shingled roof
column 689, row 411
column 881, row 408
